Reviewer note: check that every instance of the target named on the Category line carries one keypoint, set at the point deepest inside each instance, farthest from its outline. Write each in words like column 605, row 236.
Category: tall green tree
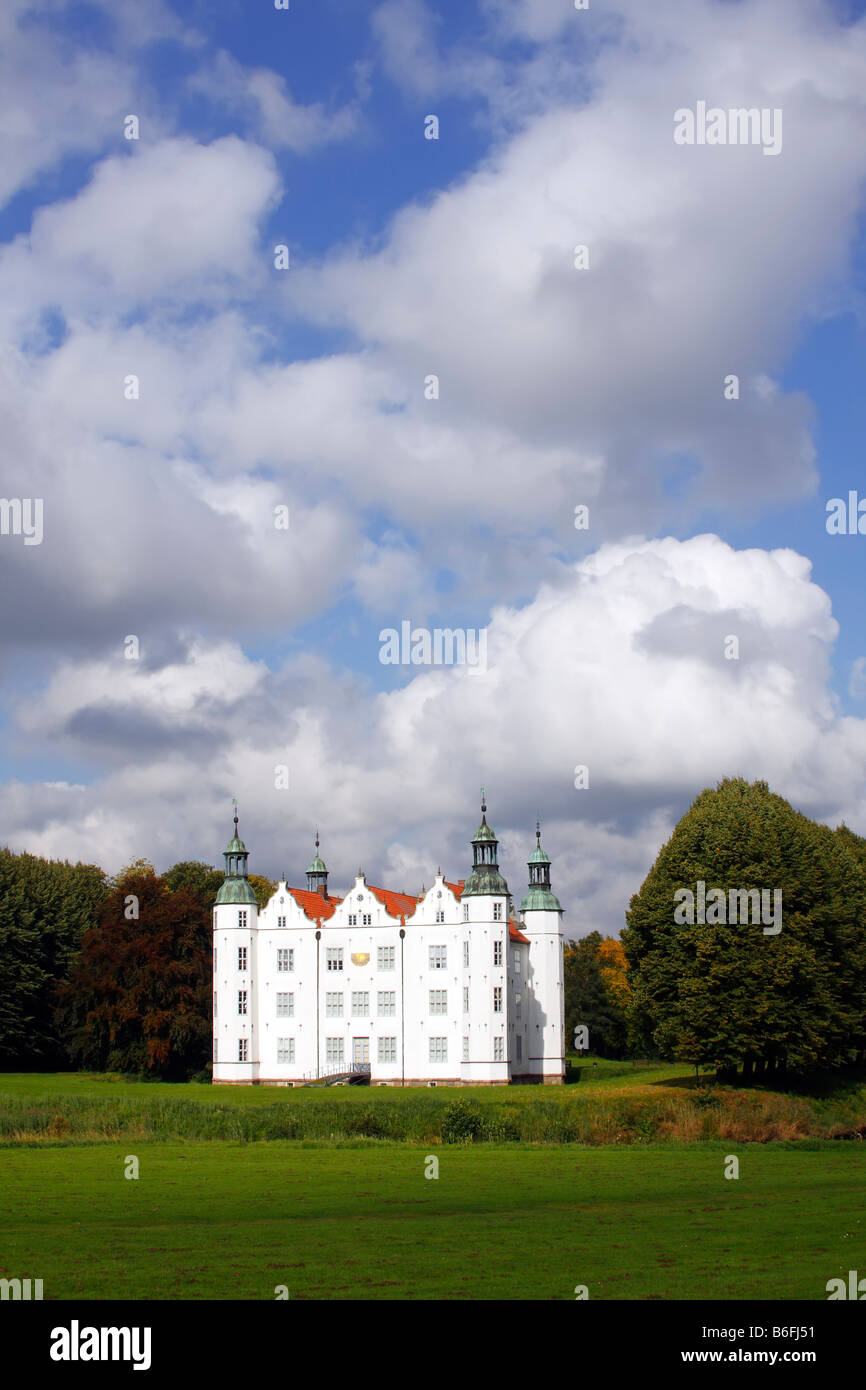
column 728, row 993
column 46, row 906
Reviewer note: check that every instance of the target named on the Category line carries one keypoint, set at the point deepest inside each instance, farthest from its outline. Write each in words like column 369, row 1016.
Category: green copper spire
column 539, row 896
column 485, row 877
column 236, row 887
column 317, row 872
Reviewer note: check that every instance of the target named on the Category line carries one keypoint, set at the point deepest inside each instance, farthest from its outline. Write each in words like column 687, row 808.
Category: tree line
column 107, row 974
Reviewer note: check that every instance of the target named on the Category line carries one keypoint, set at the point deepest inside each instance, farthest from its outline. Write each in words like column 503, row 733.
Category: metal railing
column 336, row 1069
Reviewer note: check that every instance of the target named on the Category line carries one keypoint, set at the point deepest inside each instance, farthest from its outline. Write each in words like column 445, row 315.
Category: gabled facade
column 444, row 988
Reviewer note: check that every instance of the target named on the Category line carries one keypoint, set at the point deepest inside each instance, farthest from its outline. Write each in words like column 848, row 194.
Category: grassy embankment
column 614, row 1103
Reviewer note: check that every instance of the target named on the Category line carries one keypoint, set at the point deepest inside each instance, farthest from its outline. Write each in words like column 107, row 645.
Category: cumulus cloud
column 575, row 677
column 59, row 99
column 157, row 220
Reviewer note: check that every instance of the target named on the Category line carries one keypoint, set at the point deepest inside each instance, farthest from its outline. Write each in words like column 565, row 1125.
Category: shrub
column 462, row 1123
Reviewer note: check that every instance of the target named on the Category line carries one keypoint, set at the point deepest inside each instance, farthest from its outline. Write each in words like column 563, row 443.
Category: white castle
column 446, row 988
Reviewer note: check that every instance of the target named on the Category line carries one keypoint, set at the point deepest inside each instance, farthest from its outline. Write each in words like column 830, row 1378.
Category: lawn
column 603, row 1076
column 224, row 1221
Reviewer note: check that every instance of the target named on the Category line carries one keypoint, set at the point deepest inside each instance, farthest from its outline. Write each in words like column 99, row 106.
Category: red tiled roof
column 402, row 905
column 313, row 904
column 396, row 904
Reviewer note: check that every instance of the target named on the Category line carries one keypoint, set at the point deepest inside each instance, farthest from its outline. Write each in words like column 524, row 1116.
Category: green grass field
column 226, row 1207
column 228, row 1221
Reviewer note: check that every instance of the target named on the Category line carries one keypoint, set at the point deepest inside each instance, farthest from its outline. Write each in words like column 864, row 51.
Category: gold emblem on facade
column 360, row 957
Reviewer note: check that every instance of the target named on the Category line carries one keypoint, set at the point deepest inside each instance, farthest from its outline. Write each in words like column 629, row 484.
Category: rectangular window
column 333, row 1006
column 285, row 1006
column 333, row 1050
column 497, row 953
column 438, row 957
column 465, row 912
column 497, row 912
column 384, row 957
column 281, row 921
column 466, row 999
column 242, row 917
column 360, row 1003
column 519, row 1043
column 499, row 1049
column 214, row 960
column 517, row 962
column 438, row 1001
column 440, row 915
column 242, row 1001
column 438, row 1049
column 366, row 919
column 497, row 999
column 216, row 1050
column 386, row 1003
column 242, row 1049
column 214, row 1003
column 517, row 1005
column 334, row 957
column 283, row 958
column 353, row 919
column 387, row 1050
column 242, row 958
column 466, row 1049
column 466, row 955
column 285, row 1049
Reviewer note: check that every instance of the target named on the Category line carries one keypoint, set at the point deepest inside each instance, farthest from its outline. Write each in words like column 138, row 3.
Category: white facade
column 445, row 988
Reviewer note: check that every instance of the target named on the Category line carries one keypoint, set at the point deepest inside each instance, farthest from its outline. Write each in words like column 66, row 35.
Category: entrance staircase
column 355, row 1074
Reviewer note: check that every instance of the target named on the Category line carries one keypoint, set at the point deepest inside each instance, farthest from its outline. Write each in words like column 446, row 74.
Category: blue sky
column 410, row 256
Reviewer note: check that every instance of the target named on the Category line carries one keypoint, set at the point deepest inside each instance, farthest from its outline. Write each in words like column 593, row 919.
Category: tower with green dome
column 317, row 872
column 539, row 897
column 235, row 922
column 236, row 887
column 485, row 879
column 485, row 944
column 542, row 924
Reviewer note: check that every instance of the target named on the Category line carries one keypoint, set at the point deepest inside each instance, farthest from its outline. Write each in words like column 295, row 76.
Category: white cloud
column 406, row 33
column 575, row 677
column 158, row 218
column 857, row 679
column 261, row 97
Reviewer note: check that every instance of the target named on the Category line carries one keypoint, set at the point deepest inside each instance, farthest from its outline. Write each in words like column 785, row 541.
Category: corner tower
column 484, row 943
column 235, row 918
column 542, row 924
